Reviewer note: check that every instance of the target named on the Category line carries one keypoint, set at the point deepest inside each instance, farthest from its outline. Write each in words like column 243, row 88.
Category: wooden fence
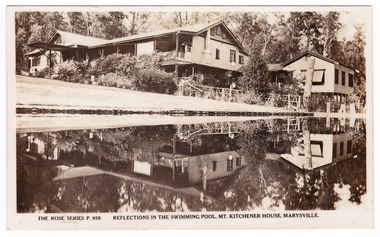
column 186, row 88
column 214, row 93
column 289, row 101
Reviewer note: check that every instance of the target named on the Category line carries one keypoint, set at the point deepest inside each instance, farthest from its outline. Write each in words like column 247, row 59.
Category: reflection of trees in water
column 90, row 194
column 109, row 144
column 36, row 191
column 263, row 183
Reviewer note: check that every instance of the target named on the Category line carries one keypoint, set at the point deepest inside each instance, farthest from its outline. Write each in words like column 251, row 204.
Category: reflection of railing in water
column 188, row 131
column 291, row 125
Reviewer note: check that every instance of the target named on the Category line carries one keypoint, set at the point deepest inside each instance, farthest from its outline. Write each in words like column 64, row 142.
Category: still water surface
column 271, row 164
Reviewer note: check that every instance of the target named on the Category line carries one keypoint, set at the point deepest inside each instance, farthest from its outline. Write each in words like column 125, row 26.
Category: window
column 214, row 166
column 212, row 31
column 223, row 35
column 241, row 59
column 232, row 56
column 217, row 54
column 230, row 164
column 343, row 78
column 351, row 80
column 349, row 146
column 318, row 77
column 335, row 150
column 341, row 148
column 336, row 76
column 36, row 61
column 238, row 161
column 218, row 30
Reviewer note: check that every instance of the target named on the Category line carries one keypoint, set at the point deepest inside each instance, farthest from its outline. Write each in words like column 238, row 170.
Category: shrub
column 44, row 73
column 114, row 80
column 250, row 97
column 154, row 80
column 67, row 71
column 120, row 70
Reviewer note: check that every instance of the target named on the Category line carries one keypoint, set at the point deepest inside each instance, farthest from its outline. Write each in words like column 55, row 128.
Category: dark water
column 291, row 164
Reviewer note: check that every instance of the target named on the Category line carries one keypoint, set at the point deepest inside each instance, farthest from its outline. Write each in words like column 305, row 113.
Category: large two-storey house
column 207, row 47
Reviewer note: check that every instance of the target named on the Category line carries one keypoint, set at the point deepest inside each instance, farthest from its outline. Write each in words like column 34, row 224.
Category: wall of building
column 224, row 49
column 329, row 85
column 300, row 66
column 339, row 88
column 327, row 143
column 43, row 63
column 197, row 162
column 338, row 139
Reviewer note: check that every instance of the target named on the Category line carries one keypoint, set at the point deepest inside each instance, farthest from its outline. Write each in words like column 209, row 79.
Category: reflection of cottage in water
column 314, row 151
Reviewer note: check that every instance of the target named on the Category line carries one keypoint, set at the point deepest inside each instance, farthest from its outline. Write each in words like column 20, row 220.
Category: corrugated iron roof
column 93, row 42
column 287, row 62
column 189, row 29
column 81, row 39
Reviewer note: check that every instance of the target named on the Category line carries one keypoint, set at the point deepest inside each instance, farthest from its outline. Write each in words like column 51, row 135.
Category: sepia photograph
column 189, row 117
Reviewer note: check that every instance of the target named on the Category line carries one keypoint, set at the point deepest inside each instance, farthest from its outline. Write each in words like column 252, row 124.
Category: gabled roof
column 93, row 42
column 308, row 53
column 74, row 39
column 190, row 29
column 77, row 39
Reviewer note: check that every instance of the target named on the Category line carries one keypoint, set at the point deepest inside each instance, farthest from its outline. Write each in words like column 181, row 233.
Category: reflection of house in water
column 318, row 151
column 39, row 148
column 202, row 168
column 210, row 174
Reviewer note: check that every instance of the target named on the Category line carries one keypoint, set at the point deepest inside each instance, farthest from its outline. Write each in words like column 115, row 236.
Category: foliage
column 318, row 103
column 44, row 73
column 154, row 80
column 67, row 71
column 114, row 80
column 256, row 77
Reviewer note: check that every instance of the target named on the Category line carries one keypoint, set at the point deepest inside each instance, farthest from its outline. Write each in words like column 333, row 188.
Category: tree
column 306, row 27
column 136, row 22
column 256, row 77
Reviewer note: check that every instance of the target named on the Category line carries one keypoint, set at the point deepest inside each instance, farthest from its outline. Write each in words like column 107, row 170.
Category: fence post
column 289, row 101
column 299, row 102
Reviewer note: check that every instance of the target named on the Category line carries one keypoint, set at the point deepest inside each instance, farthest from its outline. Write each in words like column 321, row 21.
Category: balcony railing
column 170, row 56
